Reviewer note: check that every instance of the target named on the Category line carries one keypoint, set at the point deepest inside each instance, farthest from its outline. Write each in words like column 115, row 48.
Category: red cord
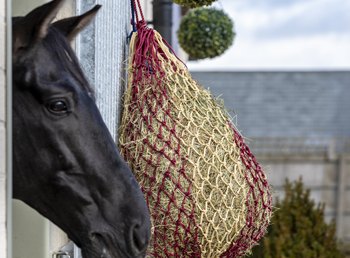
column 138, row 10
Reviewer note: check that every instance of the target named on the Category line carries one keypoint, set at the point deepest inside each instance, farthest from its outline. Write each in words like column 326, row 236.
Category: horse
column 66, row 164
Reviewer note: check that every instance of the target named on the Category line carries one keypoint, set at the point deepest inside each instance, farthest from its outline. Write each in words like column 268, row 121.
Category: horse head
column 66, row 164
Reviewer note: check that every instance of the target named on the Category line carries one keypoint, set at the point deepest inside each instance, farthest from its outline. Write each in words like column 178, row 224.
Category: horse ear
column 38, row 21
column 33, row 27
column 70, row 27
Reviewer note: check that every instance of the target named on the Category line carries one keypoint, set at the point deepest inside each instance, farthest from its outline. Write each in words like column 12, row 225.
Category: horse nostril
column 139, row 239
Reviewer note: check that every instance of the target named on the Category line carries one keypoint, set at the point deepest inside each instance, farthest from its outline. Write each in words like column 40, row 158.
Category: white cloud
column 293, row 34
column 321, row 17
column 315, row 52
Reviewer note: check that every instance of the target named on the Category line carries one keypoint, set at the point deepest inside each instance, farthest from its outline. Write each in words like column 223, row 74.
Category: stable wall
column 3, row 230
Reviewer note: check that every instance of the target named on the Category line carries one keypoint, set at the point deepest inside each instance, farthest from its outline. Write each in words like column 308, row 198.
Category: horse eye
column 58, row 106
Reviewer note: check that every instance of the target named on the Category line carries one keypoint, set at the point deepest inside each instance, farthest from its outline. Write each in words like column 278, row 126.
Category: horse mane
column 56, row 43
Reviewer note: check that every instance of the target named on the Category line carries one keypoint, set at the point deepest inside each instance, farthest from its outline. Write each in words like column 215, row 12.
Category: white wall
column 327, row 177
column 102, row 50
column 3, row 243
column 146, row 6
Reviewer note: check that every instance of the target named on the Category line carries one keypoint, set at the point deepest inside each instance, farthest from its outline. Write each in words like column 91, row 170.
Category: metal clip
column 60, row 254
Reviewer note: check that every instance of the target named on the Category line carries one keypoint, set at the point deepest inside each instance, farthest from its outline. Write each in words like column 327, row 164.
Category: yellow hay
column 209, row 155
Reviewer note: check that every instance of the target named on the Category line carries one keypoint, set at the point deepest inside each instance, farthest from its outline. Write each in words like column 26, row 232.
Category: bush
column 298, row 228
column 194, row 3
column 205, row 32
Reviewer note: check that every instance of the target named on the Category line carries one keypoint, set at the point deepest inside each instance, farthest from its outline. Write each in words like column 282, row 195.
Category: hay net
column 207, row 195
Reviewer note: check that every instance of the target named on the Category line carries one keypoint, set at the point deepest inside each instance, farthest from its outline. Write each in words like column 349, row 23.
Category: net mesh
column 207, row 195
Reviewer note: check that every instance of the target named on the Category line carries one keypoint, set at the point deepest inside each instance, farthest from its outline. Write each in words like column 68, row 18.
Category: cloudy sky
column 285, row 35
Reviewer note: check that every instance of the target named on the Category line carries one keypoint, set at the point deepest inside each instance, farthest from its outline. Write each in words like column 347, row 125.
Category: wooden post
column 5, row 129
column 3, row 141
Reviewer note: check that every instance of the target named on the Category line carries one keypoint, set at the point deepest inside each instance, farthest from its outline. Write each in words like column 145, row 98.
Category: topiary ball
column 205, row 33
column 194, row 3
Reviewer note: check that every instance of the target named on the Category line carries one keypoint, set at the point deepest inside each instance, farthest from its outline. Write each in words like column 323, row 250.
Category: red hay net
column 159, row 159
column 252, row 232
column 147, row 65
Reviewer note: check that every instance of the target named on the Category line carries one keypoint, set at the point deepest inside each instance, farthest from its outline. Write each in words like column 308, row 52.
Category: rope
column 133, row 22
column 136, row 10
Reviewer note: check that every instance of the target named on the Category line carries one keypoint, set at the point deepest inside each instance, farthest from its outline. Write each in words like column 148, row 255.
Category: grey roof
column 284, row 104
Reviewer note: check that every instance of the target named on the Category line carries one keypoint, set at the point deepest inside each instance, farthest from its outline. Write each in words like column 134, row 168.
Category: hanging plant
column 194, row 3
column 205, row 33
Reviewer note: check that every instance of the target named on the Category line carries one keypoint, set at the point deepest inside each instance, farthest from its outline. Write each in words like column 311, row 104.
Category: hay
column 207, row 195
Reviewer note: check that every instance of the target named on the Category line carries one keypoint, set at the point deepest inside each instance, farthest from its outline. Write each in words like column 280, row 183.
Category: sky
column 285, row 35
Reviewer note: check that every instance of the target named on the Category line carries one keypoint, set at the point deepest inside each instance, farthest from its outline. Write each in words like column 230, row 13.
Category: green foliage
column 298, row 228
column 205, row 33
column 194, row 3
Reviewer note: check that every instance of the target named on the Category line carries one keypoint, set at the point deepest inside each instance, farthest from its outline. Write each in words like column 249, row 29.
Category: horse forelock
column 64, row 57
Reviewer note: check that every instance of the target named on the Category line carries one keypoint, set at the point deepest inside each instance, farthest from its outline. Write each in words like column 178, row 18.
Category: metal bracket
column 60, row 254
column 70, row 250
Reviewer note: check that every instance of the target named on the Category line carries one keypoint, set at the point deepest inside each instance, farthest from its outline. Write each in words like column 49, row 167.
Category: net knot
column 141, row 24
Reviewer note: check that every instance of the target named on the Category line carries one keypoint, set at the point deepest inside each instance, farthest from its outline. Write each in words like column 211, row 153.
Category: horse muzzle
column 104, row 245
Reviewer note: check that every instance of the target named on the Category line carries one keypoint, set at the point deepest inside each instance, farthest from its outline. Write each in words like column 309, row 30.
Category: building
column 298, row 125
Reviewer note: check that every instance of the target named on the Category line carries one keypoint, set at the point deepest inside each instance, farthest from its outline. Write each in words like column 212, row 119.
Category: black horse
column 66, row 165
